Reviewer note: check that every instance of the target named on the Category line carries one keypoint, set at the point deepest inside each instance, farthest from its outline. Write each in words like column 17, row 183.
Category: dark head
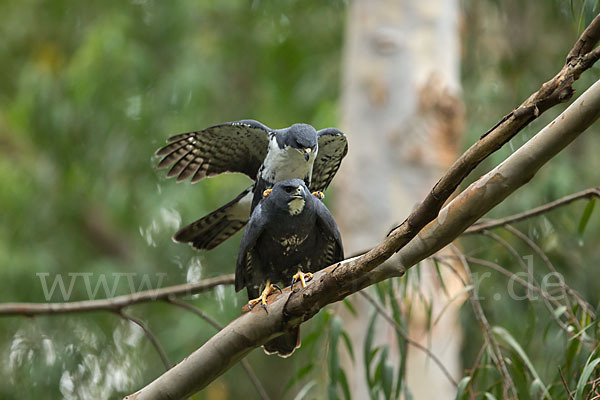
column 290, row 195
column 301, row 137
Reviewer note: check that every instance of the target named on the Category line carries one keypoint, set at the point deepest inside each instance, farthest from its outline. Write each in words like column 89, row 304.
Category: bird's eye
column 289, row 189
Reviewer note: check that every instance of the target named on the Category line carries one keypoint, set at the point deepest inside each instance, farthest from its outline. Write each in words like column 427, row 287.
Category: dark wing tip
column 162, row 151
column 330, row 132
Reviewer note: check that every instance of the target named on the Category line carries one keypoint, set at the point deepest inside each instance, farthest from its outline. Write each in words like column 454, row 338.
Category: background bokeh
column 89, row 90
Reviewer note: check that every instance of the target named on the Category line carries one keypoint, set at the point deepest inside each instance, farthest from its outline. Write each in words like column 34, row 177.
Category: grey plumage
column 266, row 155
column 289, row 229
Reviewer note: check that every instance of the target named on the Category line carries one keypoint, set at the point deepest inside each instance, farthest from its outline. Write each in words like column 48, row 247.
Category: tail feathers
column 285, row 344
column 213, row 229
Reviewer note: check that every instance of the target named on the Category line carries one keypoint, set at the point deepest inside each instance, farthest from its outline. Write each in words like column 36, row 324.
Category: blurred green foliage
column 89, row 90
column 512, row 47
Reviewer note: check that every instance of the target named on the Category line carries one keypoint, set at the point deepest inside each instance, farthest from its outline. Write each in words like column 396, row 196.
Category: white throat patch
column 287, row 163
column 296, row 206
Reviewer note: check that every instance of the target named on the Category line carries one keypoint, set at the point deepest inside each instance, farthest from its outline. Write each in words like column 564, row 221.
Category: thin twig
column 153, row 339
column 545, row 260
column 517, row 279
column 173, row 300
column 483, row 225
column 547, row 299
column 408, row 340
column 562, row 378
column 565, row 288
column 491, row 265
column 507, row 384
column 245, row 364
column 115, row 303
column 475, row 367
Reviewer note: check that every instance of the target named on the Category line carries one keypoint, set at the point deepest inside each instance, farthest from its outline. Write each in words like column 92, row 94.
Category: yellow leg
column 266, row 193
column 302, row 277
column 319, row 195
column 269, row 288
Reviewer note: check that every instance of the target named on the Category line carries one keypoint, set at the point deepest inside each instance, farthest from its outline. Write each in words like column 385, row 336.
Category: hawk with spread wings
column 266, row 155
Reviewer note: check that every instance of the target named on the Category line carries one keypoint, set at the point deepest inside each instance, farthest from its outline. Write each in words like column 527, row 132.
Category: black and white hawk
column 291, row 233
column 264, row 154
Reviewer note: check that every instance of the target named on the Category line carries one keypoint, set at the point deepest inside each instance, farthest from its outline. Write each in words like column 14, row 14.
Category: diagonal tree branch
column 245, row 364
column 338, row 281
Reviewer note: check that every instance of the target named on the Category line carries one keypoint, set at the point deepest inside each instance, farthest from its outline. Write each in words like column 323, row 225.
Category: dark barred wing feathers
column 239, row 146
column 333, row 147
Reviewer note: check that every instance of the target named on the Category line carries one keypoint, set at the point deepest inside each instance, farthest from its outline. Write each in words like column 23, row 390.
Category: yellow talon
column 269, row 288
column 319, row 195
column 267, row 192
column 302, row 277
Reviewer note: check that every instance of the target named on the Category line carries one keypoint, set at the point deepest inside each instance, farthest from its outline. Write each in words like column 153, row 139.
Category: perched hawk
column 290, row 234
column 264, row 154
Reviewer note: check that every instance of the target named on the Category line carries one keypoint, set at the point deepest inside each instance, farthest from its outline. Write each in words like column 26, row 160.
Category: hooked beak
column 306, row 152
column 298, row 193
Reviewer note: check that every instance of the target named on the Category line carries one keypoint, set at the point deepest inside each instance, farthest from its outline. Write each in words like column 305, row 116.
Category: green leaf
column 417, row 269
column 407, row 393
column 507, row 337
column 585, row 217
column 399, row 319
column 301, row 373
column 489, row 396
column 439, row 274
column 573, row 350
column 335, row 330
column 585, row 375
column 560, row 311
column 310, row 341
column 466, row 289
column 348, row 304
column 344, row 384
column 332, row 392
column 380, row 290
column 348, row 343
column 461, row 390
column 388, row 379
column 304, row 391
column 382, row 358
column 536, row 389
column 429, row 312
column 368, row 351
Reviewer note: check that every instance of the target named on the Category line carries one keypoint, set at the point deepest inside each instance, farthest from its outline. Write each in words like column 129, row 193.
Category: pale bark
column 402, row 114
column 338, row 281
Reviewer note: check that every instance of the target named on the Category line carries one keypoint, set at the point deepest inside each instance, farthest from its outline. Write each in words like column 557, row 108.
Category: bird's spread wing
column 246, row 262
column 213, row 229
column 239, row 146
column 333, row 146
column 334, row 251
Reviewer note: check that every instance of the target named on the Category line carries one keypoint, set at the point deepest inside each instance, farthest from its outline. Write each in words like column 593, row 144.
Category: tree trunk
column 403, row 117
